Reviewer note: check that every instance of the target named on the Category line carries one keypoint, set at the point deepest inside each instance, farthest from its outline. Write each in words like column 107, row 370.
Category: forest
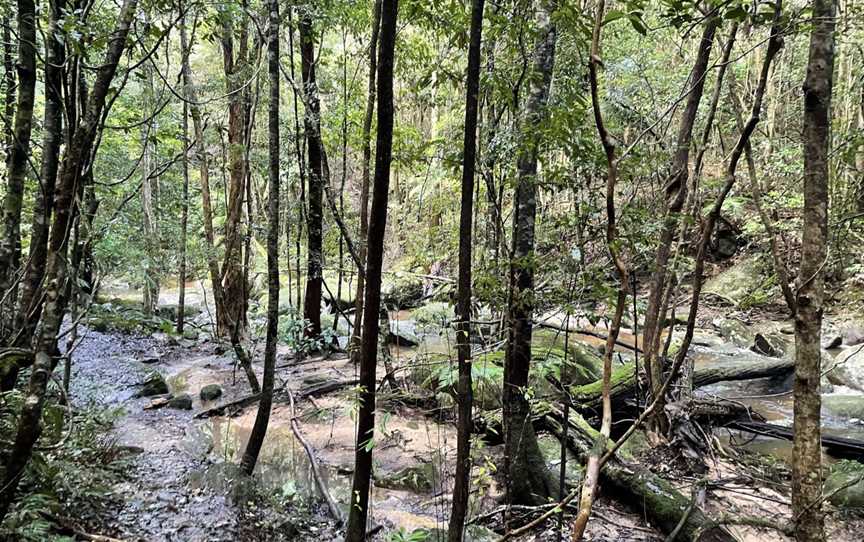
column 432, row 270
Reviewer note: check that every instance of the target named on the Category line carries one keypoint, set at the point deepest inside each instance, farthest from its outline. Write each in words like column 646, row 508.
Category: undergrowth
column 70, row 476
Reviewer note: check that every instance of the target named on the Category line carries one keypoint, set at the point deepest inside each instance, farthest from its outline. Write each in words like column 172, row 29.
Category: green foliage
column 71, row 475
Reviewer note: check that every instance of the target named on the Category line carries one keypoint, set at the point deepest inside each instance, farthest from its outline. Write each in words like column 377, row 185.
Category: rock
column 735, row 331
column 738, row 283
column 150, row 359
column 210, row 392
column 418, row 478
column 844, row 406
column 181, row 402
column 402, row 338
column 832, row 341
column 406, row 294
column 190, row 334
column 845, row 485
column 848, row 368
column 853, row 335
column 550, row 446
column 154, row 385
column 761, row 345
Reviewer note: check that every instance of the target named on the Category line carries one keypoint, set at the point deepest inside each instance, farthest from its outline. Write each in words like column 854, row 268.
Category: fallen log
column 588, row 398
column 666, row 507
column 237, row 405
column 840, row 447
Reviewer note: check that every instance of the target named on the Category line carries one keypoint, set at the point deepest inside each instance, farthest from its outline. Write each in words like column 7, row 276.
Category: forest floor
column 181, row 484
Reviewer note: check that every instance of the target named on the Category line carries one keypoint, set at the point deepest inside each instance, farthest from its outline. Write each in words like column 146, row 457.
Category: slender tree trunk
column 359, row 509
column 259, row 430
column 235, row 63
column 354, row 347
column 529, row 480
column 8, row 87
column 52, row 138
column 10, row 243
column 184, row 224
column 29, row 427
column 201, row 156
column 676, row 195
column 301, row 163
column 807, row 453
column 148, row 213
column 314, row 149
column 463, row 305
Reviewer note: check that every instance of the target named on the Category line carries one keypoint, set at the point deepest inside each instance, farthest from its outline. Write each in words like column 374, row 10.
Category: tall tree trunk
column 529, row 481
column 201, row 156
column 52, row 138
column 463, row 304
column 184, row 223
column 8, row 86
column 10, row 243
column 148, row 214
column 262, row 418
column 314, row 149
column 354, row 347
column 676, row 195
column 807, row 453
column 235, row 63
column 29, row 427
column 359, row 509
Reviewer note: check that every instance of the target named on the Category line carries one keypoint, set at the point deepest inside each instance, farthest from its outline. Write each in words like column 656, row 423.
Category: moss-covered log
column 13, row 360
column 637, row 487
column 588, row 397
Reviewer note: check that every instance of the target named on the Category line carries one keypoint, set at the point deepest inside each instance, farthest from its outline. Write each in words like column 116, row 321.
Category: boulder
column 473, row 533
column 190, row 334
column 844, row 406
column 406, row 294
column 738, row 283
column 734, row 331
column 761, row 345
column 210, row 392
column 154, row 385
column 845, row 485
column 418, row 478
column 848, row 368
column 181, row 402
column 853, row 335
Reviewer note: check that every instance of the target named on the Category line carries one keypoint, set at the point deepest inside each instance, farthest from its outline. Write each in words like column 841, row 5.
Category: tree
column 19, row 159
column 29, row 427
column 809, row 299
column 52, row 137
column 364, row 183
column 234, row 297
column 262, row 418
column 317, row 163
column 529, row 480
column 463, row 308
column 359, row 507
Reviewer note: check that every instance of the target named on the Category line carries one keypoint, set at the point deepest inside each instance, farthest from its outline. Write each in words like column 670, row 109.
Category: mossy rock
column 848, row 475
column 743, row 284
column 418, row 478
column 407, row 293
column 104, row 319
column 210, row 392
column 155, row 384
column 182, row 401
column 472, row 533
column 170, row 312
column 550, row 446
column 846, row 406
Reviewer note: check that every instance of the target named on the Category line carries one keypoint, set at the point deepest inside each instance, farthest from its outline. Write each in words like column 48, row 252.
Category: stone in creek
column 845, row 485
column 154, row 385
column 848, row 368
column 210, row 392
column 853, row 335
column 181, row 402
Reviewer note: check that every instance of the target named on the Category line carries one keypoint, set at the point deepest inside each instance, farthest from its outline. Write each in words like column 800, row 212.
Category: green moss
column 621, row 376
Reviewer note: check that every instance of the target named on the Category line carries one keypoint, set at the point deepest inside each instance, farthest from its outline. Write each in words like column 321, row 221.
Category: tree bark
column 807, row 465
column 29, row 427
column 463, row 304
column 8, row 86
column 314, row 149
column 354, row 346
column 359, row 509
column 262, row 418
column 52, row 138
column 233, row 319
column 10, row 243
column 529, row 481
column 184, row 224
